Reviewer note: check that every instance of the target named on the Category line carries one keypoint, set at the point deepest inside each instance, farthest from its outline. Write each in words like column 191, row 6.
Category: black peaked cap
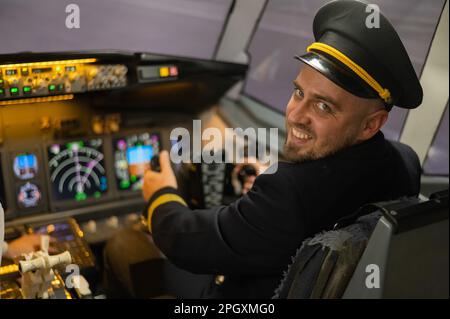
column 347, row 50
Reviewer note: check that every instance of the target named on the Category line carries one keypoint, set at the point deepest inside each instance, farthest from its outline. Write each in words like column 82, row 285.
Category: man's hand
column 23, row 245
column 154, row 181
column 248, row 184
column 239, row 188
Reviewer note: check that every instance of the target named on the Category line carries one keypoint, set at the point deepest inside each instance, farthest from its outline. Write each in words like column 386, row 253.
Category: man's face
column 322, row 118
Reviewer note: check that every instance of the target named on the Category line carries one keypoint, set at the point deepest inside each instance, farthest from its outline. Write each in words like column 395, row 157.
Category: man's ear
column 373, row 123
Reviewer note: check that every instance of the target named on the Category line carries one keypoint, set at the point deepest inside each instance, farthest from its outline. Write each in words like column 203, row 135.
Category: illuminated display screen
column 60, row 231
column 28, row 195
column 25, row 166
column 42, row 70
column 132, row 155
column 77, row 170
column 11, row 72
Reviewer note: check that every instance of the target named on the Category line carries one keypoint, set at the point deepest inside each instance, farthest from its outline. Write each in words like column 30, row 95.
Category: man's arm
column 256, row 234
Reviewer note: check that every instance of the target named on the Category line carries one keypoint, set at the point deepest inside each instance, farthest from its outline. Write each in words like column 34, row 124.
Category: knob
column 133, row 217
column 74, row 77
column 113, row 222
column 40, row 84
column 13, row 82
column 93, row 73
column 91, row 226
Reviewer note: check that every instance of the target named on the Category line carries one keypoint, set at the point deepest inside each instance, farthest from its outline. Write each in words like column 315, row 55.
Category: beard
column 326, row 147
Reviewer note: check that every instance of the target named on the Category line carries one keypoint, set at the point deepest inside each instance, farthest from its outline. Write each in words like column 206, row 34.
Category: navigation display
column 77, row 170
column 25, row 166
column 132, row 155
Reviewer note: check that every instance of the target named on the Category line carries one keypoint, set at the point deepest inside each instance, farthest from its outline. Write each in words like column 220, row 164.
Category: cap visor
column 338, row 73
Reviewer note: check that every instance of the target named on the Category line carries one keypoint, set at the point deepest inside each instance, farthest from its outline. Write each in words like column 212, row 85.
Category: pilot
column 337, row 161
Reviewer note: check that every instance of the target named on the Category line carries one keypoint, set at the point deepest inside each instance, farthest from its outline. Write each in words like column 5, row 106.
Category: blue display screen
column 25, row 165
column 26, row 161
column 139, row 154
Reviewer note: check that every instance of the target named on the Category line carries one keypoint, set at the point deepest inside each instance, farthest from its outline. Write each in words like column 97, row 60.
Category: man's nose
column 300, row 112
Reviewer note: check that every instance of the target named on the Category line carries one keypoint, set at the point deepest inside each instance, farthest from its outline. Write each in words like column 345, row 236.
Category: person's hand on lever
column 25, row 245
column 244, row 175
column 154, row 181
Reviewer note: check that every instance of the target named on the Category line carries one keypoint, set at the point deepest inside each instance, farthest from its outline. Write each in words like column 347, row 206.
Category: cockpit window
column 437, row 158
column 285, row 29
column 190, row 28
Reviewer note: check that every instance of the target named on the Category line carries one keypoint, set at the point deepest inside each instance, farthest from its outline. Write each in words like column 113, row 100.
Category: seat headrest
column 411, row 162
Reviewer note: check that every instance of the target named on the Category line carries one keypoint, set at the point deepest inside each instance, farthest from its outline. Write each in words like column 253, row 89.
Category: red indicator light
column 173, row 71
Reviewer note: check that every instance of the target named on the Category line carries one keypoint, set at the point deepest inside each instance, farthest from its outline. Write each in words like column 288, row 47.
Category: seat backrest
column 398, row 250
column 411, row 162
column 407, row 255
column 324, row 264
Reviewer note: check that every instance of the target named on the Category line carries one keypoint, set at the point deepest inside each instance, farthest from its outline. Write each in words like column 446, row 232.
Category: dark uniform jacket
column 251, row 241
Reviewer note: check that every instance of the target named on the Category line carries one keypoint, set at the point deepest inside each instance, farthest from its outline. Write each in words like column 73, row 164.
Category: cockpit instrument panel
column 88, row 156
column 77, row 170
column 36, row 79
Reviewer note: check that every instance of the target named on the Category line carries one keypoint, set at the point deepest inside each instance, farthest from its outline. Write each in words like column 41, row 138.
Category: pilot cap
column 367, row 62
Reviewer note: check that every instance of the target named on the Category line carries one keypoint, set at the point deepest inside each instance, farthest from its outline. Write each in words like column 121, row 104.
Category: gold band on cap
column 163, row 199
column 382, row 92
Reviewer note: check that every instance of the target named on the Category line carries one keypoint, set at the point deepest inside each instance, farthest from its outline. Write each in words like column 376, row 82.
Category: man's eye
column 324, row 107
column 298, row 92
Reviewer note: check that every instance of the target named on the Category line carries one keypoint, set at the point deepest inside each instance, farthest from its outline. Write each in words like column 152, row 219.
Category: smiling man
column 338, row 160
column 322, row 118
